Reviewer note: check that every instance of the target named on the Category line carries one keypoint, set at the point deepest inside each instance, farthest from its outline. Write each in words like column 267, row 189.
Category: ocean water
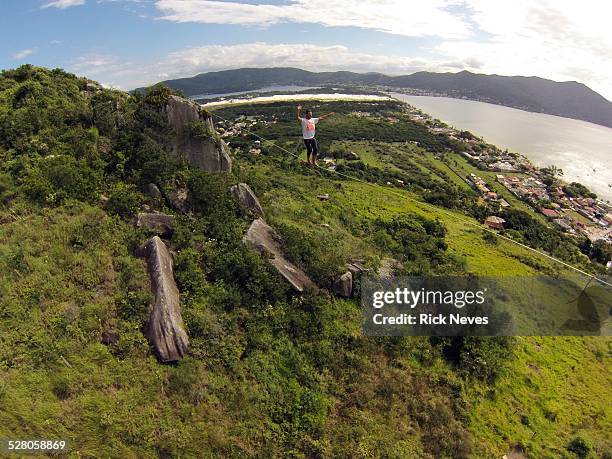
column 582, row 150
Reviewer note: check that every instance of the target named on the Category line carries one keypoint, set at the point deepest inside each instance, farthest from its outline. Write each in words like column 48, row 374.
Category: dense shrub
column 483, row 358
column 56, row 179
column 419, row 242
column 537, row 235
column 320, row 255
column 576, row 190
column 123, row 200
column 580, row 446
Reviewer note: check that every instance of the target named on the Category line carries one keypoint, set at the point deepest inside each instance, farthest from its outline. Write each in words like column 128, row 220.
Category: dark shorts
column 311, row 147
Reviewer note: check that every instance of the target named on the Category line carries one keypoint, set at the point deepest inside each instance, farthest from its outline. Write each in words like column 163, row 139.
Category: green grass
column 554, row 389
column 370, row 153
column 567, row 379
column 456, row 177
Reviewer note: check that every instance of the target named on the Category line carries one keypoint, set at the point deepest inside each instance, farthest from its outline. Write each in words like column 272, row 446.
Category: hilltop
column 265, row 367
column 568, row 99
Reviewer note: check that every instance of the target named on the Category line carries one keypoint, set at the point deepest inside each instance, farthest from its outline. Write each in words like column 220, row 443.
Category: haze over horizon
column 131, row 43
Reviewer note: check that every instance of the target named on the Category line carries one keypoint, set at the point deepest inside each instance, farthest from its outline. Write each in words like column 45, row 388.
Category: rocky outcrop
column 388, row 267
column 247, row 201
column 356, row 269
column 262, row 238
column 152, row 191
column 178, row 199
column 161, row 224
column 165, row 329
column 209, row 153
column 343, row 286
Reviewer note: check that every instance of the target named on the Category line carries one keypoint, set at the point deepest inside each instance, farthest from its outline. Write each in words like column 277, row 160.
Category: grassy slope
column 556, row 388
column 309, row 383
column 566, row 376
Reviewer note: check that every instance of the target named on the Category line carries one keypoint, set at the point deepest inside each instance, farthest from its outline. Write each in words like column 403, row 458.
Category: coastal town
column 571, row 207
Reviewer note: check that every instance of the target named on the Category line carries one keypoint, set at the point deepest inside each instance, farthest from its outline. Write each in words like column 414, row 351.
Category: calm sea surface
column 583, row 150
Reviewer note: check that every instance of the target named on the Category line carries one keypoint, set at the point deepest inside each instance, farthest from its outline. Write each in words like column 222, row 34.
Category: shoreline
column 490, row 102
column 297, row 97
column 538, row 157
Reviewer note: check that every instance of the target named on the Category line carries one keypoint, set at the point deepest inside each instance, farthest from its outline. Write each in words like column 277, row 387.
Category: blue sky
column 129, row 43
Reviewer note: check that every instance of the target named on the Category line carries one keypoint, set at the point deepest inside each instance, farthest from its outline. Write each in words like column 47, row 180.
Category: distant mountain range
column 569, row 99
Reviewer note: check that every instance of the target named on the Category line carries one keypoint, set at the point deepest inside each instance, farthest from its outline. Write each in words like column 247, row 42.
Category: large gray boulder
column 343, row 286
column 208, row 153
column 161, row 224
column 262, row 238
column 247, row 201
column 165, row 329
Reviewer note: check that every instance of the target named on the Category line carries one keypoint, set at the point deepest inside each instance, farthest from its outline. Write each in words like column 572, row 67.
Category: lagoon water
column 583, row 150
column 260, row 90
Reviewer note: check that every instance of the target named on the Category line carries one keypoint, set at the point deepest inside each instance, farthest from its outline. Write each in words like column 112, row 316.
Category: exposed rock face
column 178, row 199
column 165, row 328
column 152, row 190
column 248, row 202
column 261, row 237
column 162, row 224
column 207, row 153
column 356, row 269
column 343, row 286
column 388, row 267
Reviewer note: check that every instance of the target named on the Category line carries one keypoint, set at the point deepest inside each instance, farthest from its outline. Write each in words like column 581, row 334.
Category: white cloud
column 306, row 56
column 109, row 69
column 189, row 62
column 413, row 19
column 63, row 4
column 560, row 40
column 556, row 39
column 23, row 53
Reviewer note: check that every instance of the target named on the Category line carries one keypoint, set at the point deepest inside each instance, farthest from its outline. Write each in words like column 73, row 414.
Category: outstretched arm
column 299, row 113
column 326, row 116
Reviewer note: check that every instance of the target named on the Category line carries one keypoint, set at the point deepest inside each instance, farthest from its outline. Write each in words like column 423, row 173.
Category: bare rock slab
column 262, row 238
column 343, row 286
column 247, row 201
column 207, row 153
column 162, row 224
column 165, row 329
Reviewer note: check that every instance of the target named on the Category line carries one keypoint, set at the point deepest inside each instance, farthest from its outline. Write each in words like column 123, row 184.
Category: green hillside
column 270, row 373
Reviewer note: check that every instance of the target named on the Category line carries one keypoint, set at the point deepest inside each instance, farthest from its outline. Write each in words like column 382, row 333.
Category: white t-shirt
column 308, row 127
